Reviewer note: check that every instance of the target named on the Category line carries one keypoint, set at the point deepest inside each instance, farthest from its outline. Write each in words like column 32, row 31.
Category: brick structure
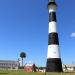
column 30, row 68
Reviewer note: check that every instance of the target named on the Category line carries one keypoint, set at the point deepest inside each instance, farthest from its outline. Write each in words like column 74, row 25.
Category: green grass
column 21, row 72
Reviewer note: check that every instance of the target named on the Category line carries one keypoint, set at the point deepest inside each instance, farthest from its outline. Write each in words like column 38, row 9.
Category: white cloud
column 73, row 34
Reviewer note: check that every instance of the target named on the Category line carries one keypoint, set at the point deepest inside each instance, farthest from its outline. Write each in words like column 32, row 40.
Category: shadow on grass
column 68, row 72
column 3, row 73
column 60, row 73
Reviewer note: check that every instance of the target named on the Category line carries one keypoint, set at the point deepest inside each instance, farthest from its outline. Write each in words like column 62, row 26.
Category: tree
column 22, row 55
column 34, row 68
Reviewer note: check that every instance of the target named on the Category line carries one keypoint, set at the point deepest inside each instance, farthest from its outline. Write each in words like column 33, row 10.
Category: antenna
column 51, row 0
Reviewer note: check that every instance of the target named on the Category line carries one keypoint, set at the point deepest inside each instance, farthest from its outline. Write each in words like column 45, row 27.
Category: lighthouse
column 54, row 63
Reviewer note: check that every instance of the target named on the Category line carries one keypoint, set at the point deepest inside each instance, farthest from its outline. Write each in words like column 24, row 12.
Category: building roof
column 8, row 61
column 29, row 64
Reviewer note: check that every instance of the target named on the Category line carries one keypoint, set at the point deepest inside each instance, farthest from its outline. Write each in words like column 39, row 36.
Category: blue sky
column 24, row 27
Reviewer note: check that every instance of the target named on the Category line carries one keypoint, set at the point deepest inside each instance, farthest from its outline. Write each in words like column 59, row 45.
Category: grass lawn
column 20, row 72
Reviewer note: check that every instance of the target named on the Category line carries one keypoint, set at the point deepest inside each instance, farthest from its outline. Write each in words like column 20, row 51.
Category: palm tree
column 22, row 55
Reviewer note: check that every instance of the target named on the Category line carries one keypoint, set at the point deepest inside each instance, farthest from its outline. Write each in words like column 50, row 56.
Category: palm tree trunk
column 22, row 62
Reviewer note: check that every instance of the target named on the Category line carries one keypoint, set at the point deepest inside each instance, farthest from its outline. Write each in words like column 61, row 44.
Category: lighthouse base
column 54, row 65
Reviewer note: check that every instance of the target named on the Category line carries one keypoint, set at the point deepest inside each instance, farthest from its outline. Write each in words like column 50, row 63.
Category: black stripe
column 52, row 16
column 53, row 38
column 54, row 65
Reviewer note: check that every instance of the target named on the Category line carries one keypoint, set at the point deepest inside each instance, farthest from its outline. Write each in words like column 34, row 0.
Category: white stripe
column 52, row 8
column 52, row 27
column 53, row 51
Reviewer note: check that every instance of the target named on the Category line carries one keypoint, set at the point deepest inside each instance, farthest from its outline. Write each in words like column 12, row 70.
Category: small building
column 30, row 67
column 41, row 69
column 68, row 67
column 9, row 64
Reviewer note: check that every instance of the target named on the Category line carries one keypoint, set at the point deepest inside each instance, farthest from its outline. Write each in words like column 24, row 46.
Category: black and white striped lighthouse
column 53, row 57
